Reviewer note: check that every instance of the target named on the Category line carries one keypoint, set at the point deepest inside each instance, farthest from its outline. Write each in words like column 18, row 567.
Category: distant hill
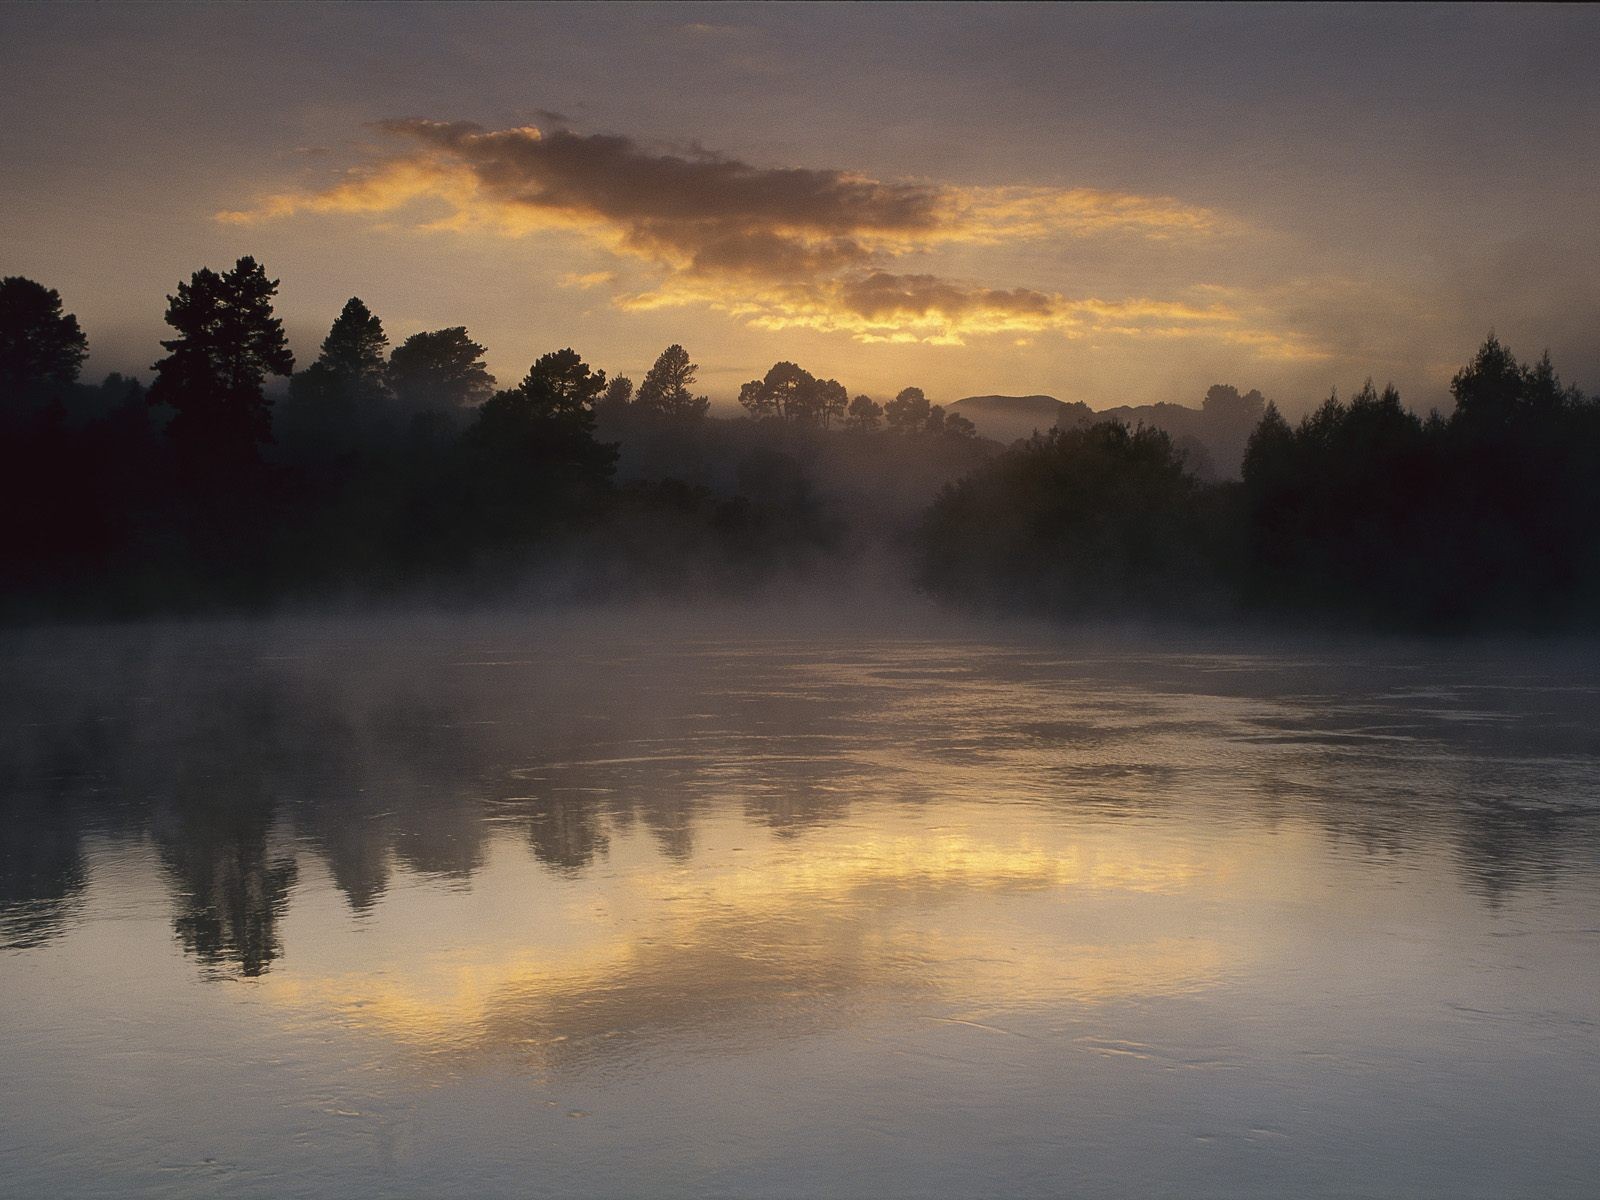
column 1007, row 418
column 1213, row 436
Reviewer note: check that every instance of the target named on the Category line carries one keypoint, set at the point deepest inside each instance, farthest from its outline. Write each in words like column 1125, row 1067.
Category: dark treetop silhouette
column 392, row 472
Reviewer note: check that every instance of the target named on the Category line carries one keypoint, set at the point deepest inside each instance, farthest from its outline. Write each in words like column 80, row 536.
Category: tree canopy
column 228, row 342
column 410, row 469
column 356, row 346
column 441, row 370
column 39, row 344
column 793, row 394
column 665, row 390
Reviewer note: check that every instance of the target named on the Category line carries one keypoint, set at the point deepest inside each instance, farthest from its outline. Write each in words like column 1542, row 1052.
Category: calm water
column 637, row 907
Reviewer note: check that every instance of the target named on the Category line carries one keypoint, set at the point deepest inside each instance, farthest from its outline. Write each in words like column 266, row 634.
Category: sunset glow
column 1039, row 214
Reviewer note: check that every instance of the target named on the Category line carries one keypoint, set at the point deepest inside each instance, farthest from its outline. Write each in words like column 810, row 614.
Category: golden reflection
column 783, row 937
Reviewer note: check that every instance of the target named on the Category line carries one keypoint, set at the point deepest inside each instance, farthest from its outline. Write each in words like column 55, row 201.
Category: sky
column 1111, row 204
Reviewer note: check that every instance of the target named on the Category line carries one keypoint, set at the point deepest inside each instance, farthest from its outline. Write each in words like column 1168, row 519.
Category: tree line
column 1363, row 512
column 380, row 470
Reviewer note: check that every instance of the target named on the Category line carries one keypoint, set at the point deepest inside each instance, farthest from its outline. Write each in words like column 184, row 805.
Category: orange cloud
column 589, row 279
column 884, row 307
column 781, row 247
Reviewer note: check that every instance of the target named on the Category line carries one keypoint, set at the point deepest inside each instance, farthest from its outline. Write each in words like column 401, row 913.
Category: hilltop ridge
column 1211, row 436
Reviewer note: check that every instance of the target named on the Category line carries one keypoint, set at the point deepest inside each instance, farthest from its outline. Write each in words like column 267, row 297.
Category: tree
column 441, row 370
column 1269, row 454
column 864, row 413
column 334, row 403
column 1488, row 390
column 959, row 426
column 356, row 346
column 561, row 386
column 39, row 344
column 228, row 342
column 1542, row 390
column 1099, row 518
column 665, row 390
column 535, row 459
column 786, row 391
column 553, row 407
column 908, row 411
column 831, row 400
column 616, row 399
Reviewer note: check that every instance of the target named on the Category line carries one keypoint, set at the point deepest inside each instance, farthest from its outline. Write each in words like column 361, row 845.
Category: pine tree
column 39, row 344
column 665, row 390
column 228, row 341
column 441, row 370
column 342, row 399
column 356, row 345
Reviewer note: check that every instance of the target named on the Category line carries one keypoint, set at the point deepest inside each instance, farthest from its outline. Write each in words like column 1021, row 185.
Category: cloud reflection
column 781, row 938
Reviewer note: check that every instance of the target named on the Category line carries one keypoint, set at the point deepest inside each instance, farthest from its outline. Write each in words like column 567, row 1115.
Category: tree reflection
column 236, row 765
column 42, row 872
column 230, row 895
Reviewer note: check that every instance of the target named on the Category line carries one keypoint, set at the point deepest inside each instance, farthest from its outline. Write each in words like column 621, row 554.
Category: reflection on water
column 787, row 915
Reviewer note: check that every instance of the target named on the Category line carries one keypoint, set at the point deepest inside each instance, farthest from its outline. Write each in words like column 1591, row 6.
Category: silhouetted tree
column 40, row 346
column 615, row 400
column 1269, row 450
column 228, row 341
column 356, row 345
column 794, row 395
column 786, row 391
column 558, row 387
column 908, row 411
column 958, row 426
column 1488, row 390
column 1097, row 519
column 339, row 401
column 535, row 460
column 831, row 401
column 665, row 390
column 864, row 413
column 1362, row 508
column 1336, row 510
column 1542, row 390
column 1223, row 403
column 439, row 371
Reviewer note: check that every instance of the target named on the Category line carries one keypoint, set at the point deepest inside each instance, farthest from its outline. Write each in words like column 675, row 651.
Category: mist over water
column 747, row 904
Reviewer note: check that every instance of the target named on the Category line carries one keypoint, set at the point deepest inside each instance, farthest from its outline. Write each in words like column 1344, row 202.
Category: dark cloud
column 778, row 246
column 883, row 297
column 681, row 203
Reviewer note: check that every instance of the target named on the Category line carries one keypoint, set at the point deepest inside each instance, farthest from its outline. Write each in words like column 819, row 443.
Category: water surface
column 607, row 906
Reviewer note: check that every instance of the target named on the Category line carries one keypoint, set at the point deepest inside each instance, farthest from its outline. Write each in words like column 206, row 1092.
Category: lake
column 647, row 904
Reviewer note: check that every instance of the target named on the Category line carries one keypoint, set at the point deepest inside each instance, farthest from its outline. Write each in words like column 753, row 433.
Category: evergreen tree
column 665, row 390
column 228, row 341
column 441, row 370
column 535, row 459
column 338, row 402
column 40, row 346
column 1488, row 390
column 616, row 399
column 356, row 345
